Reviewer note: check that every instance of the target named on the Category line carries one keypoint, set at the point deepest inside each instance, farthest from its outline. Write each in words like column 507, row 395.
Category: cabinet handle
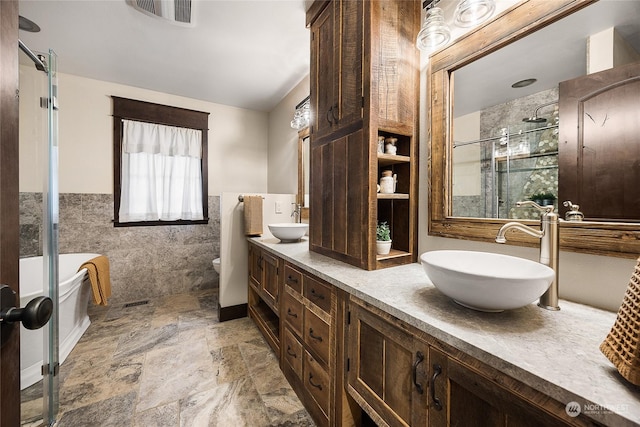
column 290, row 313
column 329, row 115
column 291, row 353
column 437, row 370
column 315, row 337
column 314, row 294
column 419, row 360
column 292, row 279
column 260, row 262
column 333, row 114
column 318, row 386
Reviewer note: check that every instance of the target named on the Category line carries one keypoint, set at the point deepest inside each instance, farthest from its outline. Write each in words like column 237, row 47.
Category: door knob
column 34, row 316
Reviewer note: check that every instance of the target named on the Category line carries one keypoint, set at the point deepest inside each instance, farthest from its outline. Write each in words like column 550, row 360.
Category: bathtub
column 73, row 321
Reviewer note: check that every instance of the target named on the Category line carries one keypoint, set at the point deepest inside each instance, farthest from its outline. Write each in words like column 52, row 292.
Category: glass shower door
column 39, row 232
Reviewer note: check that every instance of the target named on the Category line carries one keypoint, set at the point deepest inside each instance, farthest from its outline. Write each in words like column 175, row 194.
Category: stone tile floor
column 171, row 363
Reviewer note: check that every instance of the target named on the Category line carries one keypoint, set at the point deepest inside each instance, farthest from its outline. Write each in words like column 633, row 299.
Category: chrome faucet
column 549, row 244
column 297, row 212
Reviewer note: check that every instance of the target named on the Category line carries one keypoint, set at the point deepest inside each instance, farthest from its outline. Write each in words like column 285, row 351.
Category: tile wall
column 146, row 262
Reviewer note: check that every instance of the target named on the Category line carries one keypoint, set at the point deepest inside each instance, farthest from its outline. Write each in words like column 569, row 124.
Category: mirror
column 484, row 157
column 506, row 118
column 303, row 172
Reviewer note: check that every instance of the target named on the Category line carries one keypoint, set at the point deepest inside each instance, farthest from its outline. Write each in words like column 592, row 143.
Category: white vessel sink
column 289, row 231
column 487, row 281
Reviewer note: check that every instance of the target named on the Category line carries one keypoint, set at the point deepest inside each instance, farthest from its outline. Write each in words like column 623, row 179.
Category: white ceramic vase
column 383, row 247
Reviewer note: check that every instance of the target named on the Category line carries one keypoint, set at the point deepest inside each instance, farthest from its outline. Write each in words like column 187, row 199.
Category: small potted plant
column 383, row 238
column 548, row 199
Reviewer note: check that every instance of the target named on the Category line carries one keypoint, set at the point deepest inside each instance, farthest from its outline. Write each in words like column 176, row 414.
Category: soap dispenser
column 573, row 214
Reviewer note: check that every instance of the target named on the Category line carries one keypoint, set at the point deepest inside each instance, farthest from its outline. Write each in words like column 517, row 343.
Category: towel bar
column 241, row 198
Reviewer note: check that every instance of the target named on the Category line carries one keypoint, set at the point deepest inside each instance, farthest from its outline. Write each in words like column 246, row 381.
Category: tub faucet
column 549, row 244
column 297, row 212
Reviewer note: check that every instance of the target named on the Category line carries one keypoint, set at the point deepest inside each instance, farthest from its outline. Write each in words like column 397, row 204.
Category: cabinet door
column 336, row 67
column 270, row 283
column 255, row 266
column 387, row 369
column 322, row 71
column 474, row 399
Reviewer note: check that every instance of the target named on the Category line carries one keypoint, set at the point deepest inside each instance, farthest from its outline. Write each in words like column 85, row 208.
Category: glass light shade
column 434, row 33
column 473, row 12
column 302, row 116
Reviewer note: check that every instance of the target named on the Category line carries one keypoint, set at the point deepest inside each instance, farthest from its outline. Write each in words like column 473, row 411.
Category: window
column 160, row 164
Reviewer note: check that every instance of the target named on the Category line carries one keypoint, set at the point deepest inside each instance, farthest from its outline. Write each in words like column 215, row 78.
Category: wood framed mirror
column 303, row 173
column 605, row 237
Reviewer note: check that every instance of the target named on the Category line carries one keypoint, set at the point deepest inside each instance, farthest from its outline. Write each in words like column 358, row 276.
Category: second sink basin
column 486, row 281
column 288, row 231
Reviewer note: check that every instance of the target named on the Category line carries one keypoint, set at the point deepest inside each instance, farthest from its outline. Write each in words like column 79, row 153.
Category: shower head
column 535, row 118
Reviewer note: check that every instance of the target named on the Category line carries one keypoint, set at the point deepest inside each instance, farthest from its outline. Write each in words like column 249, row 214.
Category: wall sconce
column 434, row 32
column 473, row 12
column 302, row 115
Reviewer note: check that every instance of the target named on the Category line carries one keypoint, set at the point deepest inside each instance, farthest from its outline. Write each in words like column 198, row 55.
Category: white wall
column 234, row 273
column 283, row 142
column 467, row 172
column 238, row 138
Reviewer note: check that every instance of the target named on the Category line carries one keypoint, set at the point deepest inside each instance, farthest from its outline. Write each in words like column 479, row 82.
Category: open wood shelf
column 392, row 159
column 393, row 196
column 266, row 319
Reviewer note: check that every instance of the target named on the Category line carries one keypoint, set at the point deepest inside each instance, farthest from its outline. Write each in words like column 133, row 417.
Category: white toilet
column 216, row 265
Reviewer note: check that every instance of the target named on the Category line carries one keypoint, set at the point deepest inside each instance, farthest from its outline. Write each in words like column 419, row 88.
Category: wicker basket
column 622, row 345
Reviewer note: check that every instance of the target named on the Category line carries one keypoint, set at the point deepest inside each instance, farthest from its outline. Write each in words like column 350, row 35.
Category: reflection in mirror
column 506, row 116
column 303, row 171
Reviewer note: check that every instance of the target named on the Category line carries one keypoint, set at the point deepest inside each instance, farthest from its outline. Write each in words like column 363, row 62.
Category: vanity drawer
column 293, row 278
column 293, row 352
column 316, row 382
column 316, row 335
column 292, row 310
column 318, row 293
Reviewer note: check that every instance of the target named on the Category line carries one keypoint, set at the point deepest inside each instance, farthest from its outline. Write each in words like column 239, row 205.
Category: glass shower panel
column 39, row 230
column 50, row 199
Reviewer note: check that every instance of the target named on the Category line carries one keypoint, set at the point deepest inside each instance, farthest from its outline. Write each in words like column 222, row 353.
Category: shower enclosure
column 39, row 236
column 507, row 163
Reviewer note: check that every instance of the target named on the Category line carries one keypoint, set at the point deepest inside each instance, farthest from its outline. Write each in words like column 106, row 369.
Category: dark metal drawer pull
column 318, row 386
column 315, row 337
column 437, row 370
column 292, row 279
column 290, row 313
column 419, row 360
column 290, row 353
column 314, row 294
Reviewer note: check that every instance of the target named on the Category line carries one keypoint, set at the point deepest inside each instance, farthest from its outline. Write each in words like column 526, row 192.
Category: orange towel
column 98, row 269
column 253, row 215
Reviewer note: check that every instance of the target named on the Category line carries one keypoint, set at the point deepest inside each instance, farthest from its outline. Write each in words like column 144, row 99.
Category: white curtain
column 161, row 173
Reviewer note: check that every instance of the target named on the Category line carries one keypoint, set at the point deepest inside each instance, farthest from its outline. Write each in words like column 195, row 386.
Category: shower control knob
column 34, row 316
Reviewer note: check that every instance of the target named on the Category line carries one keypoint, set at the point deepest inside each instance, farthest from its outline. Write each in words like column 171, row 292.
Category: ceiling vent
column 176, row 11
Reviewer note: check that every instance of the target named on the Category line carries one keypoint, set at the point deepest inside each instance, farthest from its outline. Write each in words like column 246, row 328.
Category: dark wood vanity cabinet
column 403, row 377
column 364, row 85
column 264, row 293
column 308, row 347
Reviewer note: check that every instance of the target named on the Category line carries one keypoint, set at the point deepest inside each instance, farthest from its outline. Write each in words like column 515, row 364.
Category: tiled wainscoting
column 145, row 262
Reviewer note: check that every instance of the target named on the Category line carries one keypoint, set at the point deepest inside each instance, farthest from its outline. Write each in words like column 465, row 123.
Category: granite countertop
column 555, row 352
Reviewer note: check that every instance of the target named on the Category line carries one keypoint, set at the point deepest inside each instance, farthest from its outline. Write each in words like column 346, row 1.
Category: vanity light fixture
column 473, row 12
column 435, row 32
column 302, row 115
